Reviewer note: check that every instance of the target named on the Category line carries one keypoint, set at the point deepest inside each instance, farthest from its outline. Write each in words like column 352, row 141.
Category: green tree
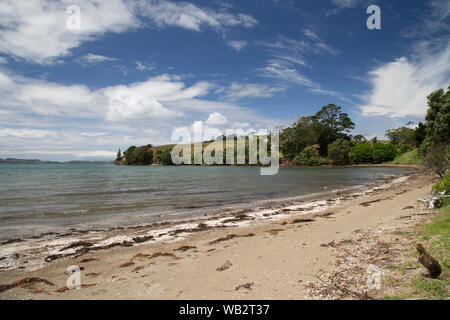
column 420, row 133
column 119, row 155
column 332, row 124
column 438, row 117
column 339, row 152
column 383, row 152
column 362, row 153
column 403, row 137
column 308, row 157
column 163, row 157
column 359, row 138
column 294, row 139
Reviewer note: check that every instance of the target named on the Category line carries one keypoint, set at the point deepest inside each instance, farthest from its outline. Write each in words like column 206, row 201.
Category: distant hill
column 14, row 160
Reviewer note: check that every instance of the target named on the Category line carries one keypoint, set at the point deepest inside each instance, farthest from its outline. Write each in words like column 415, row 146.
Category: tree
column 308, row 157
column 119, row 155
column 437, row 159
column 294, row 139
column 138, row 156
column 163, row 157
column 359, row 139
column 339, row 151
column 383, row 152
column 362, row 153
column 403, row 137
column 420, row 133
column 332, row 124
column 438, row 117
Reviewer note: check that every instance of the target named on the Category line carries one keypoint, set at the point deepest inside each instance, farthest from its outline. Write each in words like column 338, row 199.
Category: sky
column 81, row 79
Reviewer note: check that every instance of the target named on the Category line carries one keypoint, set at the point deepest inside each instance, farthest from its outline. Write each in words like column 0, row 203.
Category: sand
column 288, row 256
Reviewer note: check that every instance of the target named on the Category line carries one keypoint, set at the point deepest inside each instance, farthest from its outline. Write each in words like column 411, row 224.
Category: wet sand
column 273, row 254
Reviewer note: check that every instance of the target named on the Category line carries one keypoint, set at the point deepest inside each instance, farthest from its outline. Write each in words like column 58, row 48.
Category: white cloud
column 255, row 90
column 3, row 60
column 345, row 3
column 47, row 120
column 400, row 88
column 143, row 67
column 216, row 119
column 237, row 45
column 189, row 16
column 36, row 31
column 91, row 58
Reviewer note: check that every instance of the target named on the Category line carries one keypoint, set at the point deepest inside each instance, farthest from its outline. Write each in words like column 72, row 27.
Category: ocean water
column 39, row 198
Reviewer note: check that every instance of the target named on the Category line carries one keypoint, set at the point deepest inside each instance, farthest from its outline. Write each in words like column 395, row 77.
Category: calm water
column 36, row 198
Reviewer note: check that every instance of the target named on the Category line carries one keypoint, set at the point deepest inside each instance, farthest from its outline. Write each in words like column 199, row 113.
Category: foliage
column 339, row 152
column 408, row 158
column 436, row 159
column 383, row 152
column 308, row 157
column 359, row 138
column 362, row 153
column 420, row 133
column 438, row 117
column 162, row 157
column 443, row 184
column 139, row 155
column 331, row 124
column 403, row 137
column 294, row 139
column 119, row 155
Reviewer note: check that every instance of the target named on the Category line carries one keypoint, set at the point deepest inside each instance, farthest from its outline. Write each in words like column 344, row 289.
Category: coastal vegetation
column 324, row 139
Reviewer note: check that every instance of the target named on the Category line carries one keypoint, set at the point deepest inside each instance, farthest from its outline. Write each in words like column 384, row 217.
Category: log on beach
column 432, row 265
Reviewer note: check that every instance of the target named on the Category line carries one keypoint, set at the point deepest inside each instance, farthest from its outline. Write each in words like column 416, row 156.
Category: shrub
column 436, row 159
column 163, row 157
column 339, row 151
column 308, row 157
column 443, row 184
column 362, row 153
column 411, row 157
column 383, row 152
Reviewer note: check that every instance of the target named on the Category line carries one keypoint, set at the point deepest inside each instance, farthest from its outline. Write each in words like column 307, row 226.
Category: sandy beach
column 290, row 253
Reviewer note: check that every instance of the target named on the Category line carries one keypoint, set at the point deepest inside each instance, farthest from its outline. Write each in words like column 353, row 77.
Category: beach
column 289, row 252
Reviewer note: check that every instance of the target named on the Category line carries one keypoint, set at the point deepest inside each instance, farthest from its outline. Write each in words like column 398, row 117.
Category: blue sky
column 135, row 71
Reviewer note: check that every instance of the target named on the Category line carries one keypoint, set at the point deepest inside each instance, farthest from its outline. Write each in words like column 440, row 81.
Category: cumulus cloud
column 65, row 121
column 216, row 119
column 399, row 88
column 37, row 31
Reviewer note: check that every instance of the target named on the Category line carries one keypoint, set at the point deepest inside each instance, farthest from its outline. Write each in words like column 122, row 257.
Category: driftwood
column 432, row 265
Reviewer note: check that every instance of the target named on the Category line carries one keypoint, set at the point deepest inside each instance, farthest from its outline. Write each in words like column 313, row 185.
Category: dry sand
column 292, row 257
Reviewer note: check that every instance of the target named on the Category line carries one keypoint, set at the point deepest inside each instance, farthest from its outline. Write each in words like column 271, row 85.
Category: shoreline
column 27, row 254
column 192, row 244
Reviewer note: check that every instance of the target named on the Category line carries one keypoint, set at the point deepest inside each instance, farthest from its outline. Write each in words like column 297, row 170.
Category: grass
column 435, row 236
column 408, row 158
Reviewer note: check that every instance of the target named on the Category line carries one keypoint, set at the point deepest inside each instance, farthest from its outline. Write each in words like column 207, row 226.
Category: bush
column 163, row 157
column 411, row 157
column 339, row 152
column 308, row 157
column 362, row 153
column 383, row 152
column 443, row 184
column 436, row 159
